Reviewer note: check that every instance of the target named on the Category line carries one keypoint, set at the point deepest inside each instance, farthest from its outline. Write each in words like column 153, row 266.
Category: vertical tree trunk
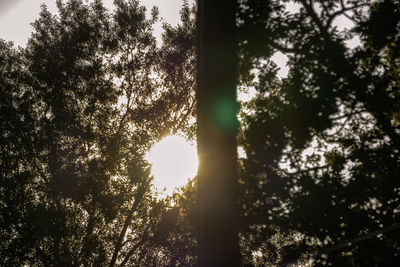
column 216, row 133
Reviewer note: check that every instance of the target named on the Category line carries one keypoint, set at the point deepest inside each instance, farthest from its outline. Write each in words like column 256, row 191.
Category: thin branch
column 326, row 10
column 348, row 115
column 133, row 249
column 344, row 244
column 189, row 111
column 340, row 129
column 88, row 232
column 282, row 48
column 343, row 12
column 128, row 220
column 311, row 11
column 304, row 171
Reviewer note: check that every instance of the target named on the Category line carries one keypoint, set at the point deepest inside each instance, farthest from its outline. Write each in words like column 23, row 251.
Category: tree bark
column 216, row 133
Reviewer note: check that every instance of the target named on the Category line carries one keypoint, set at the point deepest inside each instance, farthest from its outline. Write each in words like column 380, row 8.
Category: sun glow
column 173, row 161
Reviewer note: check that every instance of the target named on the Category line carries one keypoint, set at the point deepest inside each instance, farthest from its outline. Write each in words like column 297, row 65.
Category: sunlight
column 173, row 161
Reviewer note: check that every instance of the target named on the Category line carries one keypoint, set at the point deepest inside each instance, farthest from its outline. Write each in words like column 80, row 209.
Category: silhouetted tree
column 92, row 90
column 75, row 188
column 322, row 145
column 216, row 133
column 177, row 71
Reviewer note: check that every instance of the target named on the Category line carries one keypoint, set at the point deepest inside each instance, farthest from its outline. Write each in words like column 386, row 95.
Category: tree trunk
column 216, row 133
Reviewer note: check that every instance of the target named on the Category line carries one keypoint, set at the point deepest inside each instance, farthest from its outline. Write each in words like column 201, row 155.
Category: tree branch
column 282, row 48
column 343, row 11
column 311, row 12
column 316, row 168
column 133, row 249
column 137, row 201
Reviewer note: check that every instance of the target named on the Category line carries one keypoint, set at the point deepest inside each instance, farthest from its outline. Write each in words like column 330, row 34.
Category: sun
column 174, row 161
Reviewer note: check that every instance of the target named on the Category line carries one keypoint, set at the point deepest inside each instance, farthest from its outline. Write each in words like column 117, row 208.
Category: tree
column 177, row 71
column 75, row 188
column 322, row 144
column 216, row 133
column 91, row 92
column 16, row 149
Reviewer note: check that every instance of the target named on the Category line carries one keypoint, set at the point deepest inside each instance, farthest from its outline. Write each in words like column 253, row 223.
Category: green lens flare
column 225, row 110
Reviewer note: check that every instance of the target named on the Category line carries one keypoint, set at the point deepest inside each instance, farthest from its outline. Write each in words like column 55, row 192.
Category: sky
column 17, row 15
column 15, row 19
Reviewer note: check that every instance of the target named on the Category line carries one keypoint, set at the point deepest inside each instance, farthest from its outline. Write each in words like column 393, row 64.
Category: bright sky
column 15, row 19
column 16, row 16
column 174, row 161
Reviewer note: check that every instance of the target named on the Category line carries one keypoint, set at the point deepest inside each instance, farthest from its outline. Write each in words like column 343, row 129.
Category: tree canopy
column 91, row 92
column 322, row 144
column 80, row 106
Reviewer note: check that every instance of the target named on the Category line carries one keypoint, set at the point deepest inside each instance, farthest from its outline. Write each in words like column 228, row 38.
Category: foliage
column 76, row 122
column 322, row 145
column 177, row 71
column 92, row 91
